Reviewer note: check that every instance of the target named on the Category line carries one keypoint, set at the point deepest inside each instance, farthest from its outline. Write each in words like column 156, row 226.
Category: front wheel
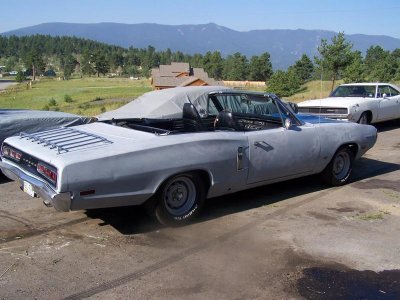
column 180, row 199
column 338, row 171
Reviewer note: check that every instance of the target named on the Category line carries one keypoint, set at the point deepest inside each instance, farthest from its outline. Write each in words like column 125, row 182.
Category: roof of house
column 168, row 75
column 174, row 67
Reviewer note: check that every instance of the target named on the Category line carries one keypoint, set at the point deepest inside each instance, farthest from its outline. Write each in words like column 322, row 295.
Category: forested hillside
column 71, row 56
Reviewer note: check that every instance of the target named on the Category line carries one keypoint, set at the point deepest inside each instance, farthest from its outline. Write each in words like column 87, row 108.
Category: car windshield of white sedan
column 366, row 91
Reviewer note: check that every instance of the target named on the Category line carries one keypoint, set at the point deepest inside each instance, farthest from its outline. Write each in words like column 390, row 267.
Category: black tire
column 363, row 119
column 338, row 171
column 180, row 199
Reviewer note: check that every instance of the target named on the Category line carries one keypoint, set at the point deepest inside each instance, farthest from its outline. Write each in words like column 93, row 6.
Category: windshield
column 245, row 103
column 366, row 91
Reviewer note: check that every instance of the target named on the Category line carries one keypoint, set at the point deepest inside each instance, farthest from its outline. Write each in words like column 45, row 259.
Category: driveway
column 297, row 239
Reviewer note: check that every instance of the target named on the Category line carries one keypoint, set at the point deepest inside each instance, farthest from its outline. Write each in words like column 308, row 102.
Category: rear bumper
column 60, row 201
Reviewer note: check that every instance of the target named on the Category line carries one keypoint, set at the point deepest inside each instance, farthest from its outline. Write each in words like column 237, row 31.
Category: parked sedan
column 188, row 144
column 364, row 103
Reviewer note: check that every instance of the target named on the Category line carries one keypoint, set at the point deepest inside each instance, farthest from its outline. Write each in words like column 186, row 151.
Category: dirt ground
column 297, row 239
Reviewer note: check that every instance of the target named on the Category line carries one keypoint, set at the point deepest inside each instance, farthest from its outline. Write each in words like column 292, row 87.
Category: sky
column 376, row 17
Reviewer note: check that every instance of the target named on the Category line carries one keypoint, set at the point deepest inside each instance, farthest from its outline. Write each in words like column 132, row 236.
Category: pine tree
column 334, row 57
column 304, row 68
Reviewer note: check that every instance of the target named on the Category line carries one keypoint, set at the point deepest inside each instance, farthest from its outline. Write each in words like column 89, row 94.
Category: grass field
column 86, row 96
column 314, row 90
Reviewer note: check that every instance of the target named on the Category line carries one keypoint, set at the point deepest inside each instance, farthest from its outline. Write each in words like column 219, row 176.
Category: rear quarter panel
column 132, row 177
column 335, row 135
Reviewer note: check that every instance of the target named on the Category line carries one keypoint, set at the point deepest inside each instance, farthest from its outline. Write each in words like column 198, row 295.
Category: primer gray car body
column 122, row 161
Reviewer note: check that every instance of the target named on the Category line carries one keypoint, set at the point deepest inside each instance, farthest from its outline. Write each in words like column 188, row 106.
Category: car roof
column 368, row 83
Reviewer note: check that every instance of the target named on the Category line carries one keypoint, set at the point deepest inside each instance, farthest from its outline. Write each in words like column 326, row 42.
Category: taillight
column 48, row 172
column 11, row 153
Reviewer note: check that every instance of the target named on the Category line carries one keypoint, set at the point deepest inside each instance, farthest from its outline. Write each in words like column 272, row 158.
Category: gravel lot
column 289, row 240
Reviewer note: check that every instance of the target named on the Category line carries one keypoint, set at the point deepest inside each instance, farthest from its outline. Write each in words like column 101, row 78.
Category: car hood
column 313, row 119
column 332, row 102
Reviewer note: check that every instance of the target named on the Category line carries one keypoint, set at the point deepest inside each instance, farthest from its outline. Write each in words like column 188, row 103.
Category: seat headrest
column 190, row 112
column 226, row 121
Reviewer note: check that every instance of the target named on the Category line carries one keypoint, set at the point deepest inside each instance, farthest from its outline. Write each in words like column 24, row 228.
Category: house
column 180, row 74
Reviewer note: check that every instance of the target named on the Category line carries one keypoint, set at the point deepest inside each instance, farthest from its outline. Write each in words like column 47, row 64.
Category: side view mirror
column 384, row 95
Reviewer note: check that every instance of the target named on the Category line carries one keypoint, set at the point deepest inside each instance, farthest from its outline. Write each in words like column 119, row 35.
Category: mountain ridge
column 284, row 45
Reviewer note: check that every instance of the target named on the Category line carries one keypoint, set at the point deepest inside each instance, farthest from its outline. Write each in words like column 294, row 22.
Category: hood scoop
column 66, row 139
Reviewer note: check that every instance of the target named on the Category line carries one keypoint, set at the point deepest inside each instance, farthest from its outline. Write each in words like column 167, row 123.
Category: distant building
column 180, row 74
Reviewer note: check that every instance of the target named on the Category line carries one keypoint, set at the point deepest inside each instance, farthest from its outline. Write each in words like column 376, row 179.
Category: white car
column 363, row 103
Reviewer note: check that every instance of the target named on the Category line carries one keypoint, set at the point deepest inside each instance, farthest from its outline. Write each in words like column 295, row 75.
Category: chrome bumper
column 60, row 201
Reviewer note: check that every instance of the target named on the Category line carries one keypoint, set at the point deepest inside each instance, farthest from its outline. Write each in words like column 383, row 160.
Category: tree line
column 38, row 54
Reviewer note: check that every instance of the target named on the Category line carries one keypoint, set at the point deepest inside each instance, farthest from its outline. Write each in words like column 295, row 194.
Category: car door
column 388, row 105
column 279, row 152
column 395, row 95
column 274, row 152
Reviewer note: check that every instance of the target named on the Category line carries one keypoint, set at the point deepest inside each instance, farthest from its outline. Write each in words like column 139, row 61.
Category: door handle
column 263, row 145
column 239, row 158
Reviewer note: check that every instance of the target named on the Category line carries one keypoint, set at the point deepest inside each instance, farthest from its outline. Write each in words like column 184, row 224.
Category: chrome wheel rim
column 180, row 196
column 341, row 165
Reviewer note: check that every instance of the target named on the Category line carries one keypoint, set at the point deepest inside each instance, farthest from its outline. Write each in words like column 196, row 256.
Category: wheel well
column 205, row 176
column 353, row 147
column 369, row 116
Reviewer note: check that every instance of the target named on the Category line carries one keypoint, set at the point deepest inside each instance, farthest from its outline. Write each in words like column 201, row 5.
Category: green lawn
column 90, row 96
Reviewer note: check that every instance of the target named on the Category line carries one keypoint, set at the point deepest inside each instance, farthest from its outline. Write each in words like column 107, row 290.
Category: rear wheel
column 338, row 171
column 180, row 199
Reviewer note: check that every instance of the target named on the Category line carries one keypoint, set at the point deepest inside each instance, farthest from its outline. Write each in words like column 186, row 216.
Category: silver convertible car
column 172, row 149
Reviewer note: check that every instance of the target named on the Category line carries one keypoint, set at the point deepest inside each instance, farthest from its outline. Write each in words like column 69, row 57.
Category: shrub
column 46, row 107
column 52, row 102
column 20, row 77
column 284, row 84
column 102, row 109
column 67, row 98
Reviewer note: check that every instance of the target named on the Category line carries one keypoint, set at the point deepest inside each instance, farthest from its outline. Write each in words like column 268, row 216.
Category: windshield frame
column 282, row 108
